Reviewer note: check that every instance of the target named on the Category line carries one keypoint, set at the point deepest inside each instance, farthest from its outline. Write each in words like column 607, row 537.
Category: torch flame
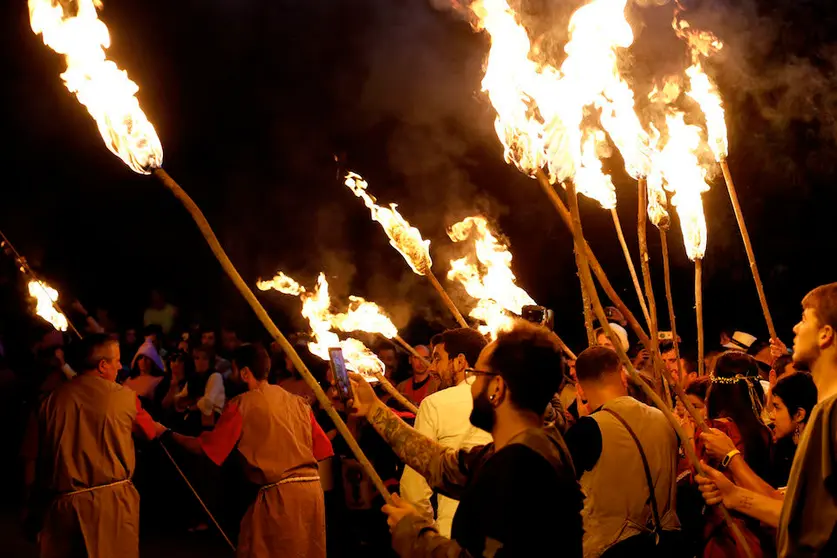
column 541, row 110
column 706, row 94
column 45, row 297
column 364, row 315
column 283, row 284
column 403, row 237
column 703, row 44
column 316, row 308
column 489, row 280
column 683, row 175
column 97, row 82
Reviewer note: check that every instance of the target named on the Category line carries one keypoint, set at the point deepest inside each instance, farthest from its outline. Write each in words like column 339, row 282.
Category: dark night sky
column 252, row 99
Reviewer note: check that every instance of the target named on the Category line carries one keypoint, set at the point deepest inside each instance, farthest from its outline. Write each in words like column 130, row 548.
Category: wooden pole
column 670, row 301
column 446, row 299
column 264, row 318
column 585, row 302
column 397, row 395
column 618, row 226
column 751, row 257
column 578, row 236
column 644, row 260
column 410, row 349
column 596, row 268
column 699, row 313
column 26, row 270
column 645, row 263
column 564, row 347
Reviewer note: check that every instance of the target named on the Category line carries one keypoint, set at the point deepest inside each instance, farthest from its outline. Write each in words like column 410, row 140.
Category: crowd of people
column 515, row 450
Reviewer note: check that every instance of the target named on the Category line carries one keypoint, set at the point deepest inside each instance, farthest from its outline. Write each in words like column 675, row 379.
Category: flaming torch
column 490, row 280
column 46, row 297
column 705, row 93
column 540, row 111
column 404, row 238
column 361, row 316
column 678, row 164
column 74, row 30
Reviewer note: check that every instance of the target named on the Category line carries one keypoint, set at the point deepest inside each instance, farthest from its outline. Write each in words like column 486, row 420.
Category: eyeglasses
column 472, row 373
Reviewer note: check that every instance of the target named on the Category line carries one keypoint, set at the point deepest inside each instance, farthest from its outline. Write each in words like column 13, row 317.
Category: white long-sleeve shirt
column 444, row 417
column 214, row 395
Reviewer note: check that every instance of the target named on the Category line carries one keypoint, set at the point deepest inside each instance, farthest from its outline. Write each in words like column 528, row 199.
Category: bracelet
column 728, row 457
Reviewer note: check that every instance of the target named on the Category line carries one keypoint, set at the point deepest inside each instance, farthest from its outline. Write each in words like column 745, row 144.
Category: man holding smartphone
column 518, row 495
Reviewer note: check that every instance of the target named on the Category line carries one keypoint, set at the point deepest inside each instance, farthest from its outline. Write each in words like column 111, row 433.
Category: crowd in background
column 640, row 490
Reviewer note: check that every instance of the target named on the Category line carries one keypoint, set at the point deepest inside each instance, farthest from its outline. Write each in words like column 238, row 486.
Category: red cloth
column 219, row 442
column 719, row 542
column 319, row 441
column 143, row 423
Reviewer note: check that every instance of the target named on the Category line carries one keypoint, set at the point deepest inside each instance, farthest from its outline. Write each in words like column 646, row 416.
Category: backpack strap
column 652, row 496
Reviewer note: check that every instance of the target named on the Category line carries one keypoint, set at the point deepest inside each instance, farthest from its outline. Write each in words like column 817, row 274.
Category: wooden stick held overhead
column 446, row 299
column 585, row 302
column 699, row 313
column 23, row 265
column 578, row 236
column 410, row 349
column 751, row 257
column 397, row 395
column 264, row 318
column 618, row 226
column 644, row 260
column 596, row 268
column 670, row 302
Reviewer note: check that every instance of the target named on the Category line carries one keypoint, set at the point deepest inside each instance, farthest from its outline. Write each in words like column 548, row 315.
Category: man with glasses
column 443, row 417
column 86, row 459
column 518, row 495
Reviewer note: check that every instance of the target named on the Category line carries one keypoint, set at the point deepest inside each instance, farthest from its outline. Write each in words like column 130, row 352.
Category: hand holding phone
column 340, row 374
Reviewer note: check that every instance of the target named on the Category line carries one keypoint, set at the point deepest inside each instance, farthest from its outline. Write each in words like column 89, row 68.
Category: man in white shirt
column 444, row 416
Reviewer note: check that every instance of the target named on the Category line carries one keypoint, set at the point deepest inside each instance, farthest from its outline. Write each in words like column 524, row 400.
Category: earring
column 797, row 433
column 491, row 398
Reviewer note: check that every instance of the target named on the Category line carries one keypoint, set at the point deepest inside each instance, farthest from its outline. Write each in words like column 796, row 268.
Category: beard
column 482, row 415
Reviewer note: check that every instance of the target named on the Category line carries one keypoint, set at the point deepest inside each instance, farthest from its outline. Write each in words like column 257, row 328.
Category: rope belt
column 92, row 488
column 290, row 480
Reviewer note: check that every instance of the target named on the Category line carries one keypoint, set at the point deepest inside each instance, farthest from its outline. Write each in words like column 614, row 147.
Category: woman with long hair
column 734, row 403
column 794, row 396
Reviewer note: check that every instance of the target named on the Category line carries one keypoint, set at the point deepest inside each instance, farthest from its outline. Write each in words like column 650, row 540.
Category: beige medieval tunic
column 276, row 437
column 85, row 462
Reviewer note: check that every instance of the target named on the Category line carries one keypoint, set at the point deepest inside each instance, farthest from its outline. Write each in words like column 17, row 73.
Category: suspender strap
column 652, row 496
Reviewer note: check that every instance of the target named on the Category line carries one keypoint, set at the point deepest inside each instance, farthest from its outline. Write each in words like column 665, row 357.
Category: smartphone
column 538, row 315
column 665, row 336
column 341, row 375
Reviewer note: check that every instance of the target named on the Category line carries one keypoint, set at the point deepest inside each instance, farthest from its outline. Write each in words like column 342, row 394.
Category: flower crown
column 726, row 379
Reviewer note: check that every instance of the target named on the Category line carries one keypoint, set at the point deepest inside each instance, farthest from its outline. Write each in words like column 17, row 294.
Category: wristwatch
column 728, row 457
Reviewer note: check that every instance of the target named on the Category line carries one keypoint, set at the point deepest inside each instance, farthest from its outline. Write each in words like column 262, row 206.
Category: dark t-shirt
column 584, row 440
column 519, row 504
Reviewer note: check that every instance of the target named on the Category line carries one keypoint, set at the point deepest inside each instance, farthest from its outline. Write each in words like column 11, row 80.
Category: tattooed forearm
column 745, row 503
column 411, row 447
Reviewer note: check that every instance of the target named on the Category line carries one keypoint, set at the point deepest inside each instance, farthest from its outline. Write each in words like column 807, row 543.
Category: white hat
column 740, row 342
column 621, row 334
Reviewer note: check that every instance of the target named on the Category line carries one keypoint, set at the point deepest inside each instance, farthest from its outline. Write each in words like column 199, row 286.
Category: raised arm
column 441, row 466
column 438, row 464
column 718, row 445
column 716, row 488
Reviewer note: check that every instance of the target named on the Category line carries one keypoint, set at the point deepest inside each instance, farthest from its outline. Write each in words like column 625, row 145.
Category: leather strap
column 651, row 495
